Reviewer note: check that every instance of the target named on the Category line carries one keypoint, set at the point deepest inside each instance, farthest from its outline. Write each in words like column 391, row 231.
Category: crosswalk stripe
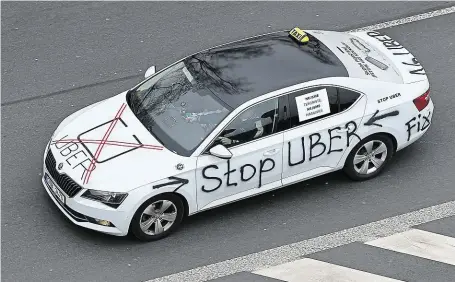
column 419, row 243
column 311, row 270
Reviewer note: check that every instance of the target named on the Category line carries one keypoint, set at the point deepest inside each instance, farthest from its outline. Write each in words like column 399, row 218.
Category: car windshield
column 178, row 106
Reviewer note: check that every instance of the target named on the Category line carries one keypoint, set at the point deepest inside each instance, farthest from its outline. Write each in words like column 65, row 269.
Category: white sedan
column 235, row 121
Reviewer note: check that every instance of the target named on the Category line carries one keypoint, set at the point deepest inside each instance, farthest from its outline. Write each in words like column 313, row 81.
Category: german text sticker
column 312, row 104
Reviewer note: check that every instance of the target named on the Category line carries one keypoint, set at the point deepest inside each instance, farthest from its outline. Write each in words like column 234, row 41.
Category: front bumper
column 88, row 213
column 84, row 212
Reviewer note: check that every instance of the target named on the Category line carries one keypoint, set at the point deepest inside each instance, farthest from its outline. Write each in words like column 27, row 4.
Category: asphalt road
column 58, row 57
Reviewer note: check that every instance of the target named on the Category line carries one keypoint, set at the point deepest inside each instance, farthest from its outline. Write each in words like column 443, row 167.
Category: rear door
column 324, row 122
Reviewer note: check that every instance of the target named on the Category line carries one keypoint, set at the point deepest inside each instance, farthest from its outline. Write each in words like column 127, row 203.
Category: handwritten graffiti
column 242, row 172
column 388, row 42
column 372, row 120
column 263, row 168
column 316, row 149
column 333, row 138
column 75, row 150
column 75, row 156
column 290, row 163
column 174, row 180
column 391, row 44
column 205, row 176
column 423, row 122
column 315, row 142
column 415, row 63
column 100, row 147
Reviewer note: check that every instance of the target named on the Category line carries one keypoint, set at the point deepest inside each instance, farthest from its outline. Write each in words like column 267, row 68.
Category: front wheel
column 369, row 157
column 158, row 217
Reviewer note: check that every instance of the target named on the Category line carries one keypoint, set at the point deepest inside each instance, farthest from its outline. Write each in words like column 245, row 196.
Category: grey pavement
column 378, row 261
column 390, row 263
column 58, row 57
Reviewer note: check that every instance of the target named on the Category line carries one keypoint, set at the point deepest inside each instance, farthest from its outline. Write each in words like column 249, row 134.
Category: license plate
column 54, row 189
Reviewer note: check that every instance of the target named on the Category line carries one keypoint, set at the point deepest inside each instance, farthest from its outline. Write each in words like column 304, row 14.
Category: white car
column 235, row 121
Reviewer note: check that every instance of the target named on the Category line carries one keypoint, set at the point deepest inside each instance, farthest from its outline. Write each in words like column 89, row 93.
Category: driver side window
column 256, row 122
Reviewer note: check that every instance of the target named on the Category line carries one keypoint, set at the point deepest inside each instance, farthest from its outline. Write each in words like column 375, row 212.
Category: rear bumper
column 416, row 128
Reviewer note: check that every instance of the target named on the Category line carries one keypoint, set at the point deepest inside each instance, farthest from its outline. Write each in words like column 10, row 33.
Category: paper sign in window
column 312, row 105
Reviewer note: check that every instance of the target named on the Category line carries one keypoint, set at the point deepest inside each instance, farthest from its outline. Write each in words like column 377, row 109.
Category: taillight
column 422, row 101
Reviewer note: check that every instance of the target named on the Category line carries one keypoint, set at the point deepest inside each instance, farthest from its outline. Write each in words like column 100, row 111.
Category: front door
column 256, row 143
column 324, row 122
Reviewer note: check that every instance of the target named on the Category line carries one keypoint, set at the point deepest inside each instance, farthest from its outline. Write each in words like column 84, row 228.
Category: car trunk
column 372, row 55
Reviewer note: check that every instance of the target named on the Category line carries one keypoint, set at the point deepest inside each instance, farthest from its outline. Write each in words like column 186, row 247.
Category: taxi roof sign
column 299, row 35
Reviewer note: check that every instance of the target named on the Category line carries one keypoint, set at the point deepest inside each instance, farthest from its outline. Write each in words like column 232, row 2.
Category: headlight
column 112, row 199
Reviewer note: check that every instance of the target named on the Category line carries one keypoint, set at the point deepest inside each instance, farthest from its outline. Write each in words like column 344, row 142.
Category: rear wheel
column 157, row 217
column 369, row 157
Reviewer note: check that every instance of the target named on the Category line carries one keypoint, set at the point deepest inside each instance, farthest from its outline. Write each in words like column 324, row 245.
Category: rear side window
column 316, row 103
column 347, row 98
column 312, row 104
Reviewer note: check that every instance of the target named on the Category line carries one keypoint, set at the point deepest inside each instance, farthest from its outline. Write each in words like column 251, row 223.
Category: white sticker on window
column 312, row 105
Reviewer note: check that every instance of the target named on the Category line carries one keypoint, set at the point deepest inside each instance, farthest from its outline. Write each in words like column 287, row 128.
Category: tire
column 357, row 171
column 157, row 216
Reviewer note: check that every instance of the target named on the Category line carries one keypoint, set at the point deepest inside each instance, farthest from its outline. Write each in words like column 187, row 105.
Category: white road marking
column 406, row 20
column 360, row 233
column 310, row 270
column 421, row 244
column 290, row 252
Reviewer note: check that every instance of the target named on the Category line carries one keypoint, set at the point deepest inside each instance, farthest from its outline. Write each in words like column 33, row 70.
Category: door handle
column 271, row 152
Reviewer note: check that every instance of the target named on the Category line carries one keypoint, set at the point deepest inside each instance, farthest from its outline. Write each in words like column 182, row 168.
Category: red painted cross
column 104, row 141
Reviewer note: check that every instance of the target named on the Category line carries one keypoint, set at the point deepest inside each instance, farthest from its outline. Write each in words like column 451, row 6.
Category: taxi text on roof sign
column 299, row 35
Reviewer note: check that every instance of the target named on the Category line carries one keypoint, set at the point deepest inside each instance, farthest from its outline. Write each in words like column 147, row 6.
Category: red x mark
column 109, row 142
column 103, row 141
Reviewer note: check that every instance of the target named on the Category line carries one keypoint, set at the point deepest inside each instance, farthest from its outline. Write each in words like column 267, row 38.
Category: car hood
column 130, row 156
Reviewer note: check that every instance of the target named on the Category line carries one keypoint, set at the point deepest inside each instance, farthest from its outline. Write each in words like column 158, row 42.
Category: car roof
column 256, row 66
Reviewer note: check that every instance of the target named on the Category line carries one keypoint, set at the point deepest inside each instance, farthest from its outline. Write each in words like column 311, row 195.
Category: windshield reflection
column 182, row 104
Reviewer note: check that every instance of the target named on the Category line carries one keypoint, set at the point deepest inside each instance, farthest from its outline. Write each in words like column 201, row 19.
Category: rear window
column 370, row 61
column 259, row 65
column 347, row 98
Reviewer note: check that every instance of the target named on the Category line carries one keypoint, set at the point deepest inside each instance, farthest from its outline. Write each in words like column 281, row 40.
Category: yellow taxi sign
column 299, row 35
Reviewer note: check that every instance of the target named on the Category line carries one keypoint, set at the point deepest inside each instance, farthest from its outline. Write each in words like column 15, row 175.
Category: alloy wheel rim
column 370, row 157
column 158, row 217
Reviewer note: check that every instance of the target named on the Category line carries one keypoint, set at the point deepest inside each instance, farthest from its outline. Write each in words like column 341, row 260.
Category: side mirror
column 151, row 70
column 221, row 152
